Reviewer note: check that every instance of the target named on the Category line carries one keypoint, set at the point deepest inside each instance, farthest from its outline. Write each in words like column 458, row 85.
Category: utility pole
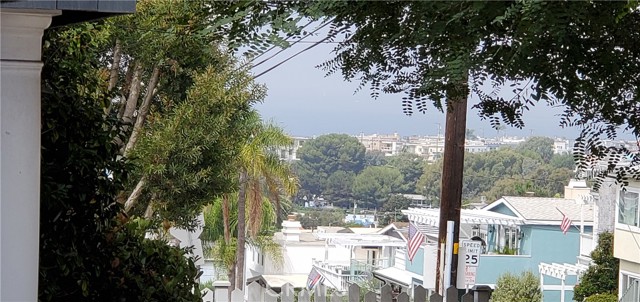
column 452, row 168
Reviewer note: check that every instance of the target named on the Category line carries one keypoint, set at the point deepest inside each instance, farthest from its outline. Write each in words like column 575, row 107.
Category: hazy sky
column 305, row 103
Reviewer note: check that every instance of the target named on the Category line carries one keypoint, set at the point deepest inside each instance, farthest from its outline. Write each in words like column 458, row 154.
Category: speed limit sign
column 473, row 249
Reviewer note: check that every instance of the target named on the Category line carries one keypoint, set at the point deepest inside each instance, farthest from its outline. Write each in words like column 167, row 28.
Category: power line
column 291, row 57
column 294, row 43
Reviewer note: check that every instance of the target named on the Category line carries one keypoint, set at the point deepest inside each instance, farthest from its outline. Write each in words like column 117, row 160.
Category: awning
column 352, row 240
column 397, row 276
column 432, row 217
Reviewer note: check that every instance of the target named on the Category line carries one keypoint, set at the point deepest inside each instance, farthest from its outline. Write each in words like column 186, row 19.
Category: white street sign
column 472, row 252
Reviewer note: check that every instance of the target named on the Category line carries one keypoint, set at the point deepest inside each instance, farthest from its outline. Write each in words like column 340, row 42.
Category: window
column 628, row 208
column 630, row 291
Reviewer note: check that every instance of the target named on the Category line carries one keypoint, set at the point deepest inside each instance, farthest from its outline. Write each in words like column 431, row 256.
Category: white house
column 627, row 242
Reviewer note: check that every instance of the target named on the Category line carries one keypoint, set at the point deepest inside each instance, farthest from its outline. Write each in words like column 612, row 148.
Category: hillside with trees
column 530, row 166
column 334, row 167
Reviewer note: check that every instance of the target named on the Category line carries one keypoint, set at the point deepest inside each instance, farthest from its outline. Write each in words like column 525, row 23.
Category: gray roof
column 545, row 208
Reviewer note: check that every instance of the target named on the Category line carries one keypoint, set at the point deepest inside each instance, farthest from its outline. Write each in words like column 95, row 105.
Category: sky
column 305, row 102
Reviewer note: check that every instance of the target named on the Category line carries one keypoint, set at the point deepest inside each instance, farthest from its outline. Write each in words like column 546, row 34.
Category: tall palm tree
column 262, row 175
column 217, row 227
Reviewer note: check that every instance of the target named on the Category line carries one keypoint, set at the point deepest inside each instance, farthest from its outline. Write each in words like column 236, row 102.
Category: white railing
column 341, row 274
column 254, row 292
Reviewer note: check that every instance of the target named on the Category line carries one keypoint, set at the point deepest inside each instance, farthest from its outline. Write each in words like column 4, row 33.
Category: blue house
column 519, row 234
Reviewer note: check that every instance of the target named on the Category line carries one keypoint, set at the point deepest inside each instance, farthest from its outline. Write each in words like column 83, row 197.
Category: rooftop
column 545, row 208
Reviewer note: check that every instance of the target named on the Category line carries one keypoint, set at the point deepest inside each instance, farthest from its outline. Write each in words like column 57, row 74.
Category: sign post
column 470, row 251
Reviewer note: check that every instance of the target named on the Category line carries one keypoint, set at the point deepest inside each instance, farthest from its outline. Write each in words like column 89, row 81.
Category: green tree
column 375, row 158
column 392, row 209
column 311, row 218
column 602, row 276
column 325, row 155
column 374, row 185
column 89, row 250
column 222, row 250
column 429, row 184
column 188, row 157
column 602, row 298
column 410, row 166
column 151, row 61
column 339, row 187
column 262, row 174
column 539, row 146
column 563, row 161
column 517, row 288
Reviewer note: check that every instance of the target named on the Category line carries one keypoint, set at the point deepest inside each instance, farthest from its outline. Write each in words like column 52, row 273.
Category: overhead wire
column 316, row 43
column 291, row 57
column 294, row 43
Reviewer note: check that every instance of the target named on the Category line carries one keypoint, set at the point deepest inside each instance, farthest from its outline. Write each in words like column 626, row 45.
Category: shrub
column 517, row 288
column 602, row 298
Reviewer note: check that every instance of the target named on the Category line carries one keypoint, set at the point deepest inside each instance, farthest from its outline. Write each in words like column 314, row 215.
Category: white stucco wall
column 298, row 259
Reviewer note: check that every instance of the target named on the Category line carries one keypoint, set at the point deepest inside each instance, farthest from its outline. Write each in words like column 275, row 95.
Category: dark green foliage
column 410, row 166
column 602, row 298
column 374, row 185
column 88, row 250
column 506, row 172
column 312, row 218
column 517, row 288
column 325, row 155
column 602, row 276
column 540, row 148
column 190, row 154
column 339, row 188
column 375, row 158
column 392, row 209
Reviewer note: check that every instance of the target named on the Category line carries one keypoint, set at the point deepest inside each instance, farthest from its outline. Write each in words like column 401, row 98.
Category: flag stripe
column 314, row 279
column 565, row 224
column 416, row 238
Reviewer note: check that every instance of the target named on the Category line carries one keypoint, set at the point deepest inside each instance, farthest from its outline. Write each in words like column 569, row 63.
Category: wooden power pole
column 452, row 168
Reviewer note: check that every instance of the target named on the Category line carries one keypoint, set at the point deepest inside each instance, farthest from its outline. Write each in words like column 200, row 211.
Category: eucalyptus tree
column 188, row 156
column 151, row 62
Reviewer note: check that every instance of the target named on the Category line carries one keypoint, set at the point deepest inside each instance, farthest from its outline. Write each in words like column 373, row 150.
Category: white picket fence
column 257, row 293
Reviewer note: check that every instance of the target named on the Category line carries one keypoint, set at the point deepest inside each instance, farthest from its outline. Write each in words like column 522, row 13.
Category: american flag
column 314, row 278
column 565, row 224
column 416, row 238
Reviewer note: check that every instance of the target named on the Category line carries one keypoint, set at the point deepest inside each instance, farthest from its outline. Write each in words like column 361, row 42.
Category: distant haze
column 305, row 103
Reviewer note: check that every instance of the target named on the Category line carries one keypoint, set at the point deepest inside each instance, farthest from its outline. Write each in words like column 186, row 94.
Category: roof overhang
column 397, row 276
column 432, row 217
column 352, row 240
column 74, row 11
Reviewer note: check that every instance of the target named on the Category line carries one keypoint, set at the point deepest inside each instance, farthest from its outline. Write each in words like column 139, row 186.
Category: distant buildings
column 432, row 147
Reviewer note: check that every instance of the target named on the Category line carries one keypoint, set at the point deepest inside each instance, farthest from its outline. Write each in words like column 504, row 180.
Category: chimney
column 576, row 189
column 291, row 229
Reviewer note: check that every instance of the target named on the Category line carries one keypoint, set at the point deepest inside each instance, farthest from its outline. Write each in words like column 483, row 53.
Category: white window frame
column 624, row 226
column 622, row 278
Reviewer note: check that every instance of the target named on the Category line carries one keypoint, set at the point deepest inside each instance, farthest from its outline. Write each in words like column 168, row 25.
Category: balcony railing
column 340, row 274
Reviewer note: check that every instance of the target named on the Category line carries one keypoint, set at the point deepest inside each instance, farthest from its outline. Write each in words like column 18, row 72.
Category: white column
column 562, row 285
column 20, row 67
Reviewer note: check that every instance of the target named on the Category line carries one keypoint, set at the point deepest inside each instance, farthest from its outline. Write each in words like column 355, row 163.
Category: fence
column 257, row 293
